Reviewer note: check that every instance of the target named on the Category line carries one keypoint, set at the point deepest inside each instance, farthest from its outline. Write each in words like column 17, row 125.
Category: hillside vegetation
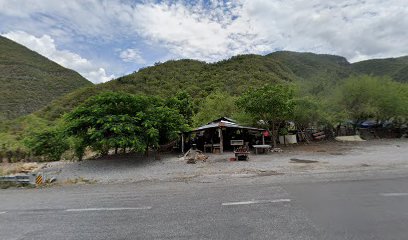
column 396, row 68
column 313, row 73
column 29, row 81
column 233, row 76
column 212, row 89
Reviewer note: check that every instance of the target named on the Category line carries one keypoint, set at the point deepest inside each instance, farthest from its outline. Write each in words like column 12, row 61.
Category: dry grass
column 14, row 168
column 79, row 180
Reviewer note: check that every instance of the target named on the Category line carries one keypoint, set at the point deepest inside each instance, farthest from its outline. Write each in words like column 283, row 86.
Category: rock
column 28, row 167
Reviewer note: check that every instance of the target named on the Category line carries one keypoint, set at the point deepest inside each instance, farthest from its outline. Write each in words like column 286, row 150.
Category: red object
column 232, row 159
column 266, row 134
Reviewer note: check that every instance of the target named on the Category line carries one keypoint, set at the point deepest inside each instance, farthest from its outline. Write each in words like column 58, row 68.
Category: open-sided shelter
column 221, row 134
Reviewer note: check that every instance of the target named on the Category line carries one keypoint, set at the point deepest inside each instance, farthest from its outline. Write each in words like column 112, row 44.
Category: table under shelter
column 264, row 148
column 220, row 135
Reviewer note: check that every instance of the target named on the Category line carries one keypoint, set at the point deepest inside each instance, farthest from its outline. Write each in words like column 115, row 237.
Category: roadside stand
column 241, row 153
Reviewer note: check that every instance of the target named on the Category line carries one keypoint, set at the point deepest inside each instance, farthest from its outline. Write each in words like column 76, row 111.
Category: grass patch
column 15, row 168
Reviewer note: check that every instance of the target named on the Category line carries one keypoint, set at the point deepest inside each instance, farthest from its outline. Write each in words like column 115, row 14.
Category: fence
column 33, row 178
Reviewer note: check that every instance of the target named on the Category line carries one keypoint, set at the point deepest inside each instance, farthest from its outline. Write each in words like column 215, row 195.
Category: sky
column 103, row 40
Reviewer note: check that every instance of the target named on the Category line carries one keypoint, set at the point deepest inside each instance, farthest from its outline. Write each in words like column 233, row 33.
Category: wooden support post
column 221, row 142
column 182, row 143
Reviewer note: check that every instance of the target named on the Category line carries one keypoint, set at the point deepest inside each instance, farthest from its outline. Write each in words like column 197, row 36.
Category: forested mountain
column 233, row 76
column 313, row 72
column 29, row 81
column 310, row 66
column 396, row 68
column 213, row 87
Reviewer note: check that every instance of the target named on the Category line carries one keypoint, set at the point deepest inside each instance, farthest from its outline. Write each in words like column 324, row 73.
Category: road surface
column 264, row 209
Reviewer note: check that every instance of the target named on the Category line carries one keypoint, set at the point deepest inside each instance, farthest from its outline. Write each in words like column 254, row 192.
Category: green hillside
column 199, row 79
column 317, row 76
column 315, row 73
column 396, row 68
column 29, row 81
column 234, row 76
column 311, row 66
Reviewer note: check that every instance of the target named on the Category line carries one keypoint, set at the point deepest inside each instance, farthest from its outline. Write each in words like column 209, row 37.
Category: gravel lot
column 331, row 157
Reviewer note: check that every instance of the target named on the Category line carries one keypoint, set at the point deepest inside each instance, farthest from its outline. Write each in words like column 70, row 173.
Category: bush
column 49, row 144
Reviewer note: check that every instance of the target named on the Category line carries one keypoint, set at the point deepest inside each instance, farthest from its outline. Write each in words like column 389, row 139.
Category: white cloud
column 99, row 75
column 45, row 46
column 352, row 28
column 217, row 29
column 132, row 55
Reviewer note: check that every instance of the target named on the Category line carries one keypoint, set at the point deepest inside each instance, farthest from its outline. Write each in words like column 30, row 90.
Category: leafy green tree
column 271, row 105
column 119, row 120
column 50, row 144
column 364, row 97
column 182, row 102
column 215, row 105
column 308, row 111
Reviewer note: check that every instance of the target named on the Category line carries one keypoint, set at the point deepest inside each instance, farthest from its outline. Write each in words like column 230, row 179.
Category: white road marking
column 3, row 212
column 106, row 209
column 255, row 202
column 393, row 194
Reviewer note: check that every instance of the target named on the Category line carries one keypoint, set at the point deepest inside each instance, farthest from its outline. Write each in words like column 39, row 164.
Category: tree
column 364, row 97
column 271, row 105
column 307, row 111
column 119, row 120
column 182, row 102
column 215, row 105
column 50, row 144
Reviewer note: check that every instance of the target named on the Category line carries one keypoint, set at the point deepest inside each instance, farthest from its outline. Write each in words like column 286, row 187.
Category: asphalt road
column 363, row 209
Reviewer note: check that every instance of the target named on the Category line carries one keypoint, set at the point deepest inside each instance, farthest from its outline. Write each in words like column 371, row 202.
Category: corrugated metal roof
column 224, row 123
column 223, row 119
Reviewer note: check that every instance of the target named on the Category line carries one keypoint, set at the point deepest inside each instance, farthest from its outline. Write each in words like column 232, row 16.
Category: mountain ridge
column 314, row 73
column 30, row 81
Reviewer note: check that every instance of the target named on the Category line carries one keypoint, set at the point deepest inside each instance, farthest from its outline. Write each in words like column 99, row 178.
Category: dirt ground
column 316, row 157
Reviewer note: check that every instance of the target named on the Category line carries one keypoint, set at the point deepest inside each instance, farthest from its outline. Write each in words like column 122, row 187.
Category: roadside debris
column 51, row 180
column 296, row 160
column 355, row 138
column 192, row 156
column 29, row 167
column 79, row 180
column 16, row 168
column 276, row 150
column 191, row 161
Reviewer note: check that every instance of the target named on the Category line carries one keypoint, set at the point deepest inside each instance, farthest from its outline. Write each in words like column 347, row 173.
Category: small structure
column 221, row 134
column 263, row 147
column 241, row 153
